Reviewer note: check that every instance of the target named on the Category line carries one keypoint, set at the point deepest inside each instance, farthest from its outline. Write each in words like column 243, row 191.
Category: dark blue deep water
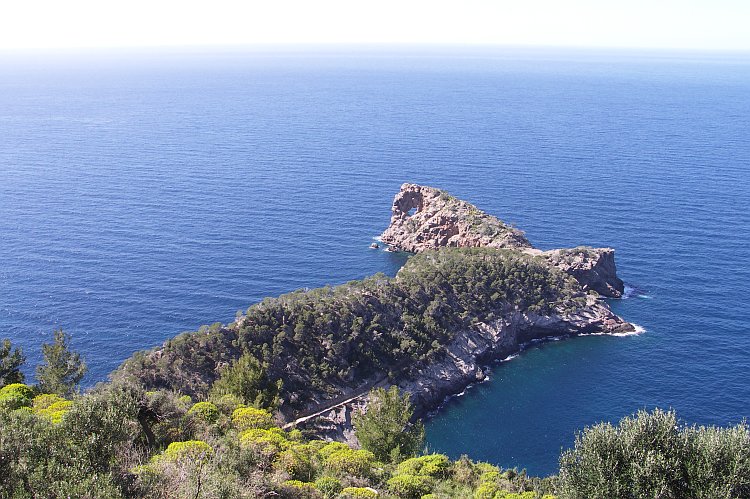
column 142, row 195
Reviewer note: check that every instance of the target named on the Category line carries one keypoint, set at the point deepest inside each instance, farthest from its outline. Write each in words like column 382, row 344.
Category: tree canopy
column 11, row 360
column 62, row 369
column 386, row 428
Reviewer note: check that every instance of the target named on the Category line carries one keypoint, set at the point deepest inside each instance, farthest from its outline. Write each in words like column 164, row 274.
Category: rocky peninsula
column 475, row 292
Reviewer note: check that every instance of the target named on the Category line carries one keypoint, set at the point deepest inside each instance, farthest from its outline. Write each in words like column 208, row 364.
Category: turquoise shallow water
column 146, row 194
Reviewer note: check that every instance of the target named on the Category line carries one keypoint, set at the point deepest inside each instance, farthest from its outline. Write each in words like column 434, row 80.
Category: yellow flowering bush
column 350, row 462
column 433, row 465
column 15, row 396
column 246, row 418
column 190, row 450
column 205, row 411
column 358, row 493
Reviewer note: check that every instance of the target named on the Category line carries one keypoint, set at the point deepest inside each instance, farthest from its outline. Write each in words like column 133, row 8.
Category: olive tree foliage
column 62, row 369
column 652, row 455
column 385, row 429
column 247, row 379
column 86, row 454
column 11, row 360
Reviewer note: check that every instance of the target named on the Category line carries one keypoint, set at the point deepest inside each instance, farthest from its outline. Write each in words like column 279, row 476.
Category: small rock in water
column 374, row 246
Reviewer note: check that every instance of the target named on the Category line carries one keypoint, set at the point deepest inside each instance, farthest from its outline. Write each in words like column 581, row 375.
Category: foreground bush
column 410, row 486
column 246, row 418
column 15, row 396
column 204, row 411
column 432, row 465
column 358, row 493
column 651, row 455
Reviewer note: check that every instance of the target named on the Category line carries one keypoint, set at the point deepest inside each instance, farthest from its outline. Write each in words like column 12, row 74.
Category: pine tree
column 10, row 364
column 62, row 369
column 246, row 378
column 386, row 429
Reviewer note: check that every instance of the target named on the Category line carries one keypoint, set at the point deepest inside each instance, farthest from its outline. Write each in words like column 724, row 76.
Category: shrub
column 433, row 465
column 246, row 418
column 651, row 455
column 295, row 462
column 486, row 490
column 246, row 378
column 15, row 396
column 17, row 388
column 358, row 493
column 44, row 400
column 299, row 489
column 56, row 410
column 490, row 476
column 228, row 403
column 331, row 448
column 205, row 411
column 349, row 462
column 483, row 468
column 410, row 486
column 515, row 495
column 328, row 486
column 191, row 450
column 269, row 441
column 464, row 471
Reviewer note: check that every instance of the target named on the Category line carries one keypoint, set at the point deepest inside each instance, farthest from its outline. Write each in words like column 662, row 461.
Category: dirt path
column 335, row 404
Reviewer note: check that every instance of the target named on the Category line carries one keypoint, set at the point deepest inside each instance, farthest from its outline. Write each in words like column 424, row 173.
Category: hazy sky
column 669, row 24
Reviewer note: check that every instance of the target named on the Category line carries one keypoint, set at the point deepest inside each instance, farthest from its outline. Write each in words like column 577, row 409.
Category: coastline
column 467, row 360
column 489, row 367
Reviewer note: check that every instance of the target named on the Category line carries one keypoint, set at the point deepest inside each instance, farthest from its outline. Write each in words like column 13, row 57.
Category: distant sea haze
column 142, row 196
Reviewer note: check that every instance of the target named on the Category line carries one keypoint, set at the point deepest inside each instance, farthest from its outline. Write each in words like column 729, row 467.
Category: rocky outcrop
column 425, row 218
column 465, row 360
column 593, row 268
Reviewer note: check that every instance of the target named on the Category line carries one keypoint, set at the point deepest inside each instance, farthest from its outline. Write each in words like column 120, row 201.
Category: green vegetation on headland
column 321, row 341
column 200, row 417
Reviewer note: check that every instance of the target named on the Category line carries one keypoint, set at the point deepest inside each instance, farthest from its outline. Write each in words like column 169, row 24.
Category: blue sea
column 145, row 194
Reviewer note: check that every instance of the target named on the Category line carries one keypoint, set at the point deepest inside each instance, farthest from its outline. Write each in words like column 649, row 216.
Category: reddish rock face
column 428, row 218
column 425, row 218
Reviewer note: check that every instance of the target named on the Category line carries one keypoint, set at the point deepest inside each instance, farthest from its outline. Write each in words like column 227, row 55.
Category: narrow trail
column 335, row 404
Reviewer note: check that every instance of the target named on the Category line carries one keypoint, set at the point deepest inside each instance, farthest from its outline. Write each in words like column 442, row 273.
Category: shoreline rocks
column 466, row 358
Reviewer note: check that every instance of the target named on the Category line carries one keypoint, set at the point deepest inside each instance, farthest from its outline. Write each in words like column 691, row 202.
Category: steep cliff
column 425, row 218
column 593, row 268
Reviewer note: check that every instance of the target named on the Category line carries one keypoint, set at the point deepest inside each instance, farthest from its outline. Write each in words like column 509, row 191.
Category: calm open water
column 142, row 195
